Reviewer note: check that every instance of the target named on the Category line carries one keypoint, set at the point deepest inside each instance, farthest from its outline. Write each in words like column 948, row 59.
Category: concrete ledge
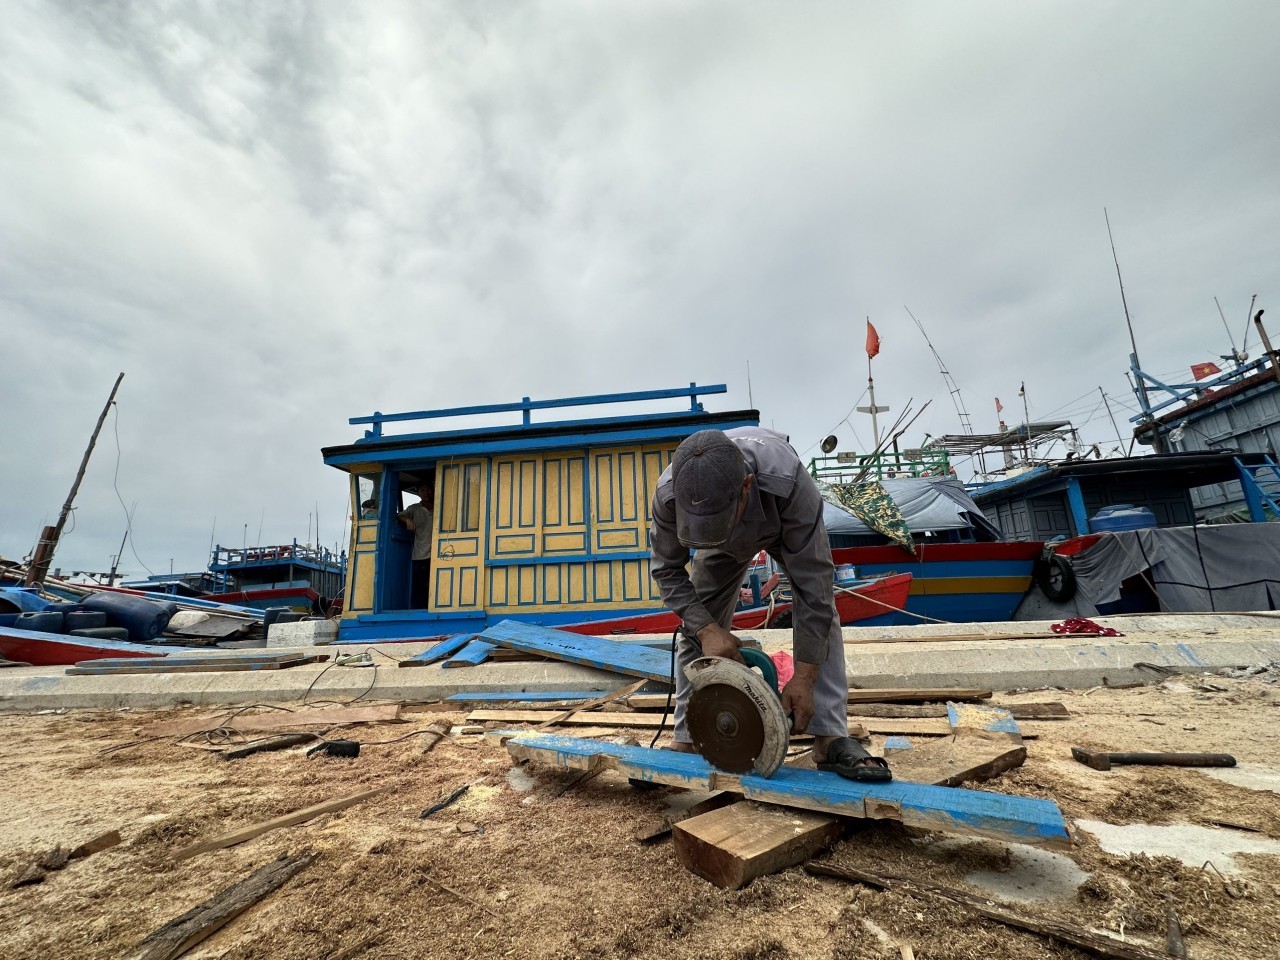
column 302, row 633
column 1183, row 645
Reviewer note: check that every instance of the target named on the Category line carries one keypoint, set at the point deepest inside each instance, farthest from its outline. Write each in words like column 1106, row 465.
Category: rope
column 889, row 606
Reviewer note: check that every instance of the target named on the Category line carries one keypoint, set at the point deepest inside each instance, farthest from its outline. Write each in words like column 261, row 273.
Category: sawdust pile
column 546, row 877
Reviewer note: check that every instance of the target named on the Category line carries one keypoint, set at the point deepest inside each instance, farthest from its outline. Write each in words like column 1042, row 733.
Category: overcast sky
column 274, row 216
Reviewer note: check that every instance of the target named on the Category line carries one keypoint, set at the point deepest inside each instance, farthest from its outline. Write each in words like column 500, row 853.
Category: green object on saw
column 735, row 714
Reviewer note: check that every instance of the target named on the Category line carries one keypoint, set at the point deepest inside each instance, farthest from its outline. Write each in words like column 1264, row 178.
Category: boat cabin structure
column 1065, row 499
column 542, row 522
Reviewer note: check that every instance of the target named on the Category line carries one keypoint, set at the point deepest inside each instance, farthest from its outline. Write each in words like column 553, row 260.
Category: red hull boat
column 861, row 601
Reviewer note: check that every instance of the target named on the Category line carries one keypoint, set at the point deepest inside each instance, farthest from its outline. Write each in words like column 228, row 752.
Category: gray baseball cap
column 707, row 471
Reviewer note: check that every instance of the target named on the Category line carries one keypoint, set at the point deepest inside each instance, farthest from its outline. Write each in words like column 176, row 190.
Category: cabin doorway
column 405, row 545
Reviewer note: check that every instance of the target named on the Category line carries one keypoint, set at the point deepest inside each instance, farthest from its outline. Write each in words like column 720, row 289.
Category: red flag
column 1202, row 370
column 999, row 406
column 873, row 341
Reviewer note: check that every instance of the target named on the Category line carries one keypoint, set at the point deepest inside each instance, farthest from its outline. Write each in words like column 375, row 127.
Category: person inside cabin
column 420, row 518
column 369, row 510
column 727, row 496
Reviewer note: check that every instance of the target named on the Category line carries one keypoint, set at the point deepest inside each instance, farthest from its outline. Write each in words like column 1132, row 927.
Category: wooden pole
column 1266, row 343
column 43, row 555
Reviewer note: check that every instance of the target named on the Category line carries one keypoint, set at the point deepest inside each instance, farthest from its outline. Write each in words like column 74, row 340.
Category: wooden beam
column 276, row 720
column 638, row 721
column 969, row 812
column 202, row 921
column 951, row 761
column 910, row 711
column 211, row 665
column 732, row 846
column 630, row 659
column 288, row 820
column 1097, row 943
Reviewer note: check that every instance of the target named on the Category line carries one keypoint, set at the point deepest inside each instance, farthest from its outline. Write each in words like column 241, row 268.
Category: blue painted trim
column 953, row 809
column 693, row 391
column 442, row 649
column 900, row 744
column 631, row 659
column 1075, row 497
column 569, row 558
column 471, row 443
column 475, row 652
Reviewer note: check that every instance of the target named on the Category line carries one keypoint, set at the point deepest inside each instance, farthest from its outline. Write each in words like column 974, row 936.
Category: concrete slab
column 1193, row 845
column 302, row 633
column 1253, row 776
column 998, row 663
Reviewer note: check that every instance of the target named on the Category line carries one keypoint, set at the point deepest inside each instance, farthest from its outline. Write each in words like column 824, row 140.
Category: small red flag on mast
column 873, row 341
column 999, row 406
column 1202, row 370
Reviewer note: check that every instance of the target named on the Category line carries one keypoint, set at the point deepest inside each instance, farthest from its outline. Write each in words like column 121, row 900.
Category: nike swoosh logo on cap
column 698, row 503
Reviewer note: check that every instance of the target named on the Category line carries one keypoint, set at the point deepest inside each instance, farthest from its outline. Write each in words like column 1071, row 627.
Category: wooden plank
column 475, row 652
column 598, row 702
column 277, row 720
column 983, row 719
column 916, row 694
column 213, row 665
column 528, row 696
column 197, row 660
column 912, row 711
column 200, row 922
column 1101, row 944
column 631, row 659
column 951, row 761
column 908, row 727
column 639, row 721
column 732, row 846
column 444, row 648
column 288, row 820
column 948, row 809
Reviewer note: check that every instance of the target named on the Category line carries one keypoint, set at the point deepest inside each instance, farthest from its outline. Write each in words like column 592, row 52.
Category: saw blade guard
column 735, row 717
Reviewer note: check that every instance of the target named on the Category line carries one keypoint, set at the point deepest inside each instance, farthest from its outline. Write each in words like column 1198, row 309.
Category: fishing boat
column 963, row 569
column 301, row 577
column 857, row 602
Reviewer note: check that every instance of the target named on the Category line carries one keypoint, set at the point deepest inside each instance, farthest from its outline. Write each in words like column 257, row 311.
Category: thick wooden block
column 951, row 761
column 732, row 846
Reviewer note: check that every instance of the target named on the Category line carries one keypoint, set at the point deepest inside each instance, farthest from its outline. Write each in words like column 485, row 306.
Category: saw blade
column 735, row 717
column 726, row 727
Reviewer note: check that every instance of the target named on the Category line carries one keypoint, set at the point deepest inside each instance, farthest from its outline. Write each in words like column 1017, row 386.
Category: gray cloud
column 276, row 216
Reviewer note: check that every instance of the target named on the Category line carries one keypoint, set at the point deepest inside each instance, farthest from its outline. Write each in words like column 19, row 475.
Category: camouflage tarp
column 870, row 502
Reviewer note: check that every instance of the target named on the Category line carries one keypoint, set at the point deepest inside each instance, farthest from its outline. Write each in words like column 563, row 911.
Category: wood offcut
column 200, row 922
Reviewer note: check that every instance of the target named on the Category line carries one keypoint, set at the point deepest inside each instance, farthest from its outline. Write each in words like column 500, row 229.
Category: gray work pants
column 717, row 577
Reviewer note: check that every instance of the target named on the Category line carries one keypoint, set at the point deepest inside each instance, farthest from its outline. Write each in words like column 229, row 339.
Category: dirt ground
column 563, row 877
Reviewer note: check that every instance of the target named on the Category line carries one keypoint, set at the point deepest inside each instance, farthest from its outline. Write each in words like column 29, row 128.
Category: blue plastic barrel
column 144, row 619
column 21, row 600
column 1122, row 516
column 8, row 619
column 103, row 633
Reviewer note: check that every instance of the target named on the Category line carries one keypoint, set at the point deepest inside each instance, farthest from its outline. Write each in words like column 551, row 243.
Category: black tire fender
column 1056, row 578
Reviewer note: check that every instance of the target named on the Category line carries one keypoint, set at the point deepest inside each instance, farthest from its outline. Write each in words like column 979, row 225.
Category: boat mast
column 1133, row 357
column 871, row 387
column 42, row 556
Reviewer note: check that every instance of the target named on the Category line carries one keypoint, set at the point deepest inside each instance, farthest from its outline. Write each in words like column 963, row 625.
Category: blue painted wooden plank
column 477, row 651
column 982, row 717
column 532, row 696
column 630, row 659
column 896, row 744
column 444, row 648
column 949, row 809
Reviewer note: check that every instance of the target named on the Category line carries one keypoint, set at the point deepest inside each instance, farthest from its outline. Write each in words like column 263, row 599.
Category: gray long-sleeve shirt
column 783, row 515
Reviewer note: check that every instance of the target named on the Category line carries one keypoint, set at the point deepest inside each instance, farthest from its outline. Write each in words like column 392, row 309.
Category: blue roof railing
column 526, row 406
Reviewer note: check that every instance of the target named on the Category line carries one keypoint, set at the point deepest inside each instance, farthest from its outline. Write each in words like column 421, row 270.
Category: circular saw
column 735, row 714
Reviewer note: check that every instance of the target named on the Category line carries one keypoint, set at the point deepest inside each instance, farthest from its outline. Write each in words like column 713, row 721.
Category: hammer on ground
column 1104, row 761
